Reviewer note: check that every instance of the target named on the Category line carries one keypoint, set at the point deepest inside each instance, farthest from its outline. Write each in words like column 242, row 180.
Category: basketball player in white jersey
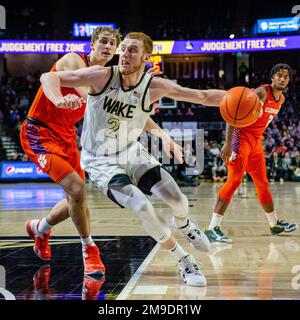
column 118, row 106
column 104, row 43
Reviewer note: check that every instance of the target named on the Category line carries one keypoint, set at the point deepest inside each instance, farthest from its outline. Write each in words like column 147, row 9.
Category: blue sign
column 21, row 170
column 86, row 29
column 26, row 196
column 278, row 25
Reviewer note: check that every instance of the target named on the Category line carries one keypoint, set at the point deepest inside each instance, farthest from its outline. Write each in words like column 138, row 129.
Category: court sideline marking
column 123, row 295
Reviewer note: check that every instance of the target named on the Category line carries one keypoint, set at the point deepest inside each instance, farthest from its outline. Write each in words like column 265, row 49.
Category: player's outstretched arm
column 72, row 61
column 92, row 77
column 165, row 88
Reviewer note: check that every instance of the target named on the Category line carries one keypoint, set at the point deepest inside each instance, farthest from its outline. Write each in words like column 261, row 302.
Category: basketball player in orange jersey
column 48, row 137
column 243, row 151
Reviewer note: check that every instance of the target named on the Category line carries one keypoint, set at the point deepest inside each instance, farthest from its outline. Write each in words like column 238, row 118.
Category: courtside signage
column 159, row 47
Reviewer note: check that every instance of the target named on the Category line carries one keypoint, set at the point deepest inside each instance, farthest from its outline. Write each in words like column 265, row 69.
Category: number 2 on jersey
column 111, row 131
column 271, row 117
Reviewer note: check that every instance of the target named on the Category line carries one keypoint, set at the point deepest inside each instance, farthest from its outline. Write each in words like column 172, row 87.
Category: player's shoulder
column 262, row 89
column 262, row 92
column 70, row 61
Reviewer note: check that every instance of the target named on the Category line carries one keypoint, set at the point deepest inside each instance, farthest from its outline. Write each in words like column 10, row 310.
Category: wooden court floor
column 256, row 266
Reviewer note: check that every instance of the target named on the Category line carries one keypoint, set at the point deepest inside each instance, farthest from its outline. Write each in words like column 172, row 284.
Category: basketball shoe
column 91, row 287
column 41, row 240
column 194, row 235
column 93, row 265
column 40, row 290
column 41, row 278
column 282, row 226
column 190, row 272
column 217, row 235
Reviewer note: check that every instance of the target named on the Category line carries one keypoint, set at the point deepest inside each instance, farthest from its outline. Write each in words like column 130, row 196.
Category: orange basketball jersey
column 61, row 121
column 269, row 111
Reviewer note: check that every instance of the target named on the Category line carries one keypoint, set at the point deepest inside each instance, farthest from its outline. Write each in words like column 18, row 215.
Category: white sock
column 87, row 241
column 272, row 218
column 44, row 226
column 178, row 252
column 180, row 223
column 215, row 221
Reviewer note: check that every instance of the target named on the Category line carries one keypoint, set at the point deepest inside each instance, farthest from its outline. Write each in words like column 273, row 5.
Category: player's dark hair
column 280, row 66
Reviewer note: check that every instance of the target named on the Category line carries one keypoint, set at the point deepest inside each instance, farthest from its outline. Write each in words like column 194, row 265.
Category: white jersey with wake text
column 115, row 117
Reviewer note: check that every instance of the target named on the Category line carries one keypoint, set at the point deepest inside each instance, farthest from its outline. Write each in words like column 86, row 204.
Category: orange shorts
column 50, row 153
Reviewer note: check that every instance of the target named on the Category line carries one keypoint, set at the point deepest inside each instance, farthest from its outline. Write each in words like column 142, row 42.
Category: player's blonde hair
column 96, row 33
column 147, row 41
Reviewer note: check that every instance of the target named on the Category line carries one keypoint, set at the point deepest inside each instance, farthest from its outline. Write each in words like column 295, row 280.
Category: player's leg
column 236, row 165
column 43, row 150
column 36, row 143
column 235, row 176
column 162, row 184
column 150, row 177
column 131, row 197
column 40, row 230
column 60, row 211
column 110, row 176
column 258, row 172
column 91, row 257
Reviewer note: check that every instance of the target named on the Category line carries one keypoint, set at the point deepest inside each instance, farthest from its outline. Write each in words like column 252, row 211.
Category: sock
column 181, row 223
column 215, row 220
column 43, row 226
column 87, row 241
column 178, row 252
column 272, row 218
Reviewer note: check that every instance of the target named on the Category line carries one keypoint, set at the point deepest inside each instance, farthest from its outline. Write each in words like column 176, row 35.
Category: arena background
column 199, row 45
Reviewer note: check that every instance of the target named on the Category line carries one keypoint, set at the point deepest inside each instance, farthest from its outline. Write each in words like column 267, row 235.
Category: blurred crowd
column 169, row 22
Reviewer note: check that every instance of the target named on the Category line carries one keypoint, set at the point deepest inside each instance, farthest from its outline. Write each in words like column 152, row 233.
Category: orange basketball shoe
column 41, row 278
column 41, row 244
column 91, row 288
column 92, row 261
column 40, row 290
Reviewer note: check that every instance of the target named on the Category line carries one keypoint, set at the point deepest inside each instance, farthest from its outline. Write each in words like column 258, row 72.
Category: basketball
column 240, row 107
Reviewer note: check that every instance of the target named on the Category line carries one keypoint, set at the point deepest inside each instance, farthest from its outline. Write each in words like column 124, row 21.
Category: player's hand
column 226, row 151
column 153, row 72
column 171, row 147
column 70, row 101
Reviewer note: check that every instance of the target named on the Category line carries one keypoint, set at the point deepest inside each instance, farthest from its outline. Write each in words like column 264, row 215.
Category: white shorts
column 133, row 161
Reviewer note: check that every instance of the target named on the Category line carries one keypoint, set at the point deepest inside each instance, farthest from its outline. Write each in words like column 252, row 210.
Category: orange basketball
column 240, row 107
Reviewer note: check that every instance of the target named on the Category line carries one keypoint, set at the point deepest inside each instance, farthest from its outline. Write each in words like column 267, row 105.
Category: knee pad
column 149, row 179
column 117, row 180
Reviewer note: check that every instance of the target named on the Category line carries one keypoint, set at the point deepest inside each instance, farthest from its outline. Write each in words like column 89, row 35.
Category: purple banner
column 237, row 45
column 43, row 46
column 174, row 47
